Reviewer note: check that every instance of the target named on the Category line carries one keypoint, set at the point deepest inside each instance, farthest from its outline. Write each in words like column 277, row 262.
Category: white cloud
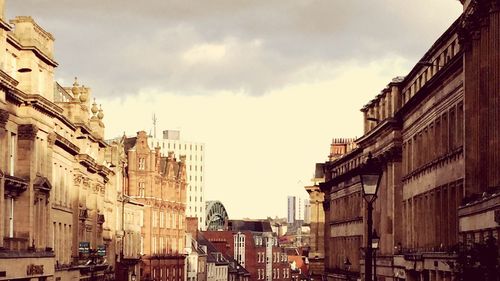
column 259, row 148
column 265, row 84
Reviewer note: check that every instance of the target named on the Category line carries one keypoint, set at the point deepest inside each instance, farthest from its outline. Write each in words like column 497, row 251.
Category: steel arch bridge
column 216, row 215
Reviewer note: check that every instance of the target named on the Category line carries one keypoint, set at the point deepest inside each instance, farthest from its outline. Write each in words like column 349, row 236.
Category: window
column 12, row 156
column 162, row 224
column 155, row 219
column 142, row 163
column 141, row 190
column 142, row 245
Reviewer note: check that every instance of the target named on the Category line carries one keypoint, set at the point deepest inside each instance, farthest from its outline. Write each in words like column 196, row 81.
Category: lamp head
column 370, row 175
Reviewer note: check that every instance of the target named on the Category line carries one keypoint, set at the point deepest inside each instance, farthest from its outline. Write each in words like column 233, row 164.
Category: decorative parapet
column 30, row 34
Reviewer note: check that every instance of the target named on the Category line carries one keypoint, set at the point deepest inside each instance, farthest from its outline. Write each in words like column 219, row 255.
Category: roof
column 246, row 225
column 213, row 255
column 299, row 263
column 235, row 267
column 128, row 143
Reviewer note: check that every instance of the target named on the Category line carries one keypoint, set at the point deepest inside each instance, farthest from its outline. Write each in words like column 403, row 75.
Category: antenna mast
column 154, row 125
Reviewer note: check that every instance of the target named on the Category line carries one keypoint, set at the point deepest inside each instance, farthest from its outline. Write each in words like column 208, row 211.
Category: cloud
column 139, row 45
column 264, row 84
column 259, row 147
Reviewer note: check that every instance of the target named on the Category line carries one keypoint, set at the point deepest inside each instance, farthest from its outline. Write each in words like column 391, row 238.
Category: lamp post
column 133, row 277
column 375, row 245
column 370, row 175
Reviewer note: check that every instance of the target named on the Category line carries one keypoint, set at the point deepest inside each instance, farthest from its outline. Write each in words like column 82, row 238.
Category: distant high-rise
column 291, row 209
column 307, row 211
column 195, row 154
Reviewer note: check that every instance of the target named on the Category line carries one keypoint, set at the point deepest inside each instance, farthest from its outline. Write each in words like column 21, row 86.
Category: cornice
column 7, row 80
column 4, row 25
column 450, row 156
column 41, row 55
column 384, row 126
column 66, row 144
column 473, row 18
column 42, row 104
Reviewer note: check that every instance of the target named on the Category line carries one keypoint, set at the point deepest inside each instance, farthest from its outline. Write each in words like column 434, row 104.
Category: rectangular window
column 460, row 124
column 452, row 137
column 154, row 244
column 155, row 218
column 162, row 225
column 12, row 156
column 445, row 133
column 142, row 163
column 141, row 190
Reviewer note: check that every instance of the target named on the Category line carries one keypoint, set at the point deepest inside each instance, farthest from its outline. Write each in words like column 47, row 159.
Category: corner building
column 159, row 183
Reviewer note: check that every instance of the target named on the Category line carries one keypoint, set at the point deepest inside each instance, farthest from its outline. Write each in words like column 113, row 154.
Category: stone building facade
column 159, row 183
column 54, row 177
column 434, row 134
column 61, row 183
column 128, row 218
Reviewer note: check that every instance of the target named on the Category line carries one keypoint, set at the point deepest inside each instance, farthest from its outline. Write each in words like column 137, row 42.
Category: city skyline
column 264, row 119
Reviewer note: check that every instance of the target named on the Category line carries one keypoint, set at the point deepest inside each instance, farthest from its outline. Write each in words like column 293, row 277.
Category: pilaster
column 4, row 117
column 480, row 35
column 25, row 170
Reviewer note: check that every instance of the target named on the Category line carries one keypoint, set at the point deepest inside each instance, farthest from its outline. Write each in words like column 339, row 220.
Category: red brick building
column 159, row 183
column 253, row 245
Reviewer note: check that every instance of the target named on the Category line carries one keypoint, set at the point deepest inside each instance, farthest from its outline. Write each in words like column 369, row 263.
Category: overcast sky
column 265, row 85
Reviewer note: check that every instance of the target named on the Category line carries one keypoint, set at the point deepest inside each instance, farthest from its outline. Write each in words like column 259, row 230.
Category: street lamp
column 370, row 175
column 133, row 276
column 375, row 245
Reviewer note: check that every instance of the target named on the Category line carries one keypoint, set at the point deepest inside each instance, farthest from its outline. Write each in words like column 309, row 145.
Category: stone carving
column 51, row 139
column 476, row 15
column 77, row 179
column 95, row 187
column 27, row 132
column 86, row 182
